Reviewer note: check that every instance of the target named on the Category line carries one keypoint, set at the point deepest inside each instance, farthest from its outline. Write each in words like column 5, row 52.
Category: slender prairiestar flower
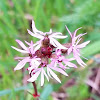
column 37, row 65
column 47, row 35
column 63, row 62
column 75, row 46
column 47, row 55
column 36, row 72
column 31, row 59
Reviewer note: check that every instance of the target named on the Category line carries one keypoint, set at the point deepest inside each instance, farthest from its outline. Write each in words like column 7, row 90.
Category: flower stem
column 35, row 89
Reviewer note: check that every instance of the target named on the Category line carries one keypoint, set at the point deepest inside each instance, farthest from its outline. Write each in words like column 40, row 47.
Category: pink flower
column 25, row 49
column 50, row 35
column 35, row 68
column 22, row 63
column 62, row 61
column 32, row 60
column 50, row 74
column 75, row 46
column 36, row 72
column 45, row 56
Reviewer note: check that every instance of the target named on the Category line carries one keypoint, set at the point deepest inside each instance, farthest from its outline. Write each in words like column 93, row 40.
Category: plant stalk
column 35, row 89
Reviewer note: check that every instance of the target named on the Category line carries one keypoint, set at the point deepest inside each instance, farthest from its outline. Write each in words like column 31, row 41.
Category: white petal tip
column 88, row 41
column 41, row 84
column 27, row 29
column 79, row 28
column 83, row 65
column 66, row 74
column 17, row 40
column 32, row 21
column 29, row 80
column 13, row 47
column 66, row 36
column 65, row 25
column 15, row 69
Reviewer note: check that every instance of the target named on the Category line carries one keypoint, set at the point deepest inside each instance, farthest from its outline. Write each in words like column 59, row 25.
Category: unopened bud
column 46, row 41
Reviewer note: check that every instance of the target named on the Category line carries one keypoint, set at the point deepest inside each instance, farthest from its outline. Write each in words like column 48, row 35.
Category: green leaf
column 92, row 48
column 46, row 92
column 4, row 92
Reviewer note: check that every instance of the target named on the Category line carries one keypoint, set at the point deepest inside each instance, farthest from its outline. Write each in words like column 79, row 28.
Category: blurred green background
column 16, row 17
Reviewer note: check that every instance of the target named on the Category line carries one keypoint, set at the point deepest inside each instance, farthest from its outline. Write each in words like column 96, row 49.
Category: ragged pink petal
column 42, row 77
column 79, row 60
column 70, row 50
column 34, row 76
column 79, row 36
column 45, row 75
column 35, row 35
column 69, row 31
column 35, row 30
column 19, row 50
column 74, row 34
column 59, row 70
column 82, row 45
column 27, row 43
column 58, row 45
column 21, row 44
column 21, row 64
column 53, row 74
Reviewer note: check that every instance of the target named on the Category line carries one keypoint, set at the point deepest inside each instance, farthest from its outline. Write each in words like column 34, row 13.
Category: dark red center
column 46, row 51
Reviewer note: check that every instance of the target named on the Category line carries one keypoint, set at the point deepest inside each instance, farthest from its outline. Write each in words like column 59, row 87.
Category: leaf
column 4, row 92
column 95, row 97
column 46, row 92
column 91, row 48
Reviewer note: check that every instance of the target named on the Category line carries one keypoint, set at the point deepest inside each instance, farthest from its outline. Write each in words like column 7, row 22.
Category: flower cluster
column 48, row 55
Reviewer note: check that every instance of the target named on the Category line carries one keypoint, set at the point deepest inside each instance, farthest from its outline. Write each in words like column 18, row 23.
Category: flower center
column 46, row 51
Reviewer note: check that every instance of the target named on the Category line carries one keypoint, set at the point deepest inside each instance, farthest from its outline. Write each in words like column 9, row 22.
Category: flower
column 62, row 61
column 36, row 72
column 75, row 46
column 43, row 35
column 37, row 65
column 31, row 59
column 47, row 55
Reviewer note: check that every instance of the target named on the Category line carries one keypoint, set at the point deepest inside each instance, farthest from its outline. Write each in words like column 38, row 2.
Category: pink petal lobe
column 74, row 34
column 21, row 64
column 79, row 60
column 70, row 50
column 35, row 35
column 45, row 75
column 71, row 65
column 59, row 70
column 42, row 77
column 82, row 45
column 19, row 50
column 59, row 46
column 35, row 30
column 69, row 31
column 34, row 76
column 21, row 44
column 54, row 75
